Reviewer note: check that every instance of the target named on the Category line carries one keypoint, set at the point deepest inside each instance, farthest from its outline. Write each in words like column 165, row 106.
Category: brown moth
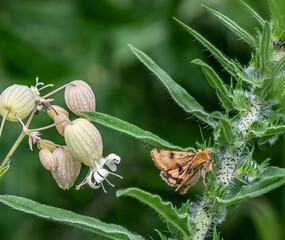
column 182, row 169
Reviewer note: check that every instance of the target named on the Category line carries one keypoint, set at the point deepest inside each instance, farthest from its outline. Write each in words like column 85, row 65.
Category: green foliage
column 179, row 94
column 233, row 26
column 4, row 170
column 250, row 115
column 67, row 217
column 169, row 213
column 269, row 179
column 131, row 130
column 229, row 65
column 222, row 89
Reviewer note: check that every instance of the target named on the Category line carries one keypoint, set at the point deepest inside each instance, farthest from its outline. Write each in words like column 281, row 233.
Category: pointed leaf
column 265, row 46
column 271, row 178
column 215, row 81
column 255, row 14
column 277, row 9
column 67, row 217
column 224, row 61
column 277, row 67
column 179, row 94
column 228, row 130
column 132, row 130
column 165, row 209
column 267, row 132
column 232, row 25
column 4, row 170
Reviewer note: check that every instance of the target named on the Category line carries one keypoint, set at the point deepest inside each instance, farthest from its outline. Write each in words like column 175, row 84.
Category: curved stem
column 49, row 126
column 56, row 90
column 3, row 122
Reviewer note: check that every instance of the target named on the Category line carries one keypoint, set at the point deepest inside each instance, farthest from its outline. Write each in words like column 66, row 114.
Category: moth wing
column 173, row 176
column 166, row 160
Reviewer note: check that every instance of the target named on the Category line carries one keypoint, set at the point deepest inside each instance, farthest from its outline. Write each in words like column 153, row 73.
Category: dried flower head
column 16, row 99
column 68, row 168
column 79, row 97
column 84, row 141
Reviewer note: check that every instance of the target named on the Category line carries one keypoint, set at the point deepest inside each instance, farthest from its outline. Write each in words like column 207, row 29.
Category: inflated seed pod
column 17, row 99
column 79, row 97
column 54, row 110
column 61, row 126
column 83, row 140
column 43, row 143
column 47, row 159
column 68, row 168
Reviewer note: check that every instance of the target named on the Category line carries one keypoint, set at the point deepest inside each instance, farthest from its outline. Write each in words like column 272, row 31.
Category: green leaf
column 179, row 94
column 161, row 235
column 165, row 209
column 215, row 81
column 67, row 217
column 265, row 46
column 4, row 170
column 271, row 178
column 267, row 132
column 232, row 25
column 254, row 13
column 228, row 130
column 229, row 65
column 277, row 67
column 132, row 130
column 276, row 8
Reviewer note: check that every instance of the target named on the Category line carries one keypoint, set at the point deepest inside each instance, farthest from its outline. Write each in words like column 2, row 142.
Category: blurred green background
column 60, row 41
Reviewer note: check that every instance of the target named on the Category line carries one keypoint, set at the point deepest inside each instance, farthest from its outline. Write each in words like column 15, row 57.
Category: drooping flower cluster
column 83, row 140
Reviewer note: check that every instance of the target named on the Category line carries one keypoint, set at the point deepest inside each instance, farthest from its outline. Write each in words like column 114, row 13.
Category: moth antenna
column 202, row 136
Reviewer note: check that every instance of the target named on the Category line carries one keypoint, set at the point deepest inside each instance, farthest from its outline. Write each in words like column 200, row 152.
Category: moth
column 181, row 168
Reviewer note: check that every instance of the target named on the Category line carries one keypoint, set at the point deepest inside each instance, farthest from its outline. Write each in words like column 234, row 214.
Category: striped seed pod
column 68, row 168
column 79, row 97
column 61, row 126
column 84, row 141
column 17, row 99
column 47, row 159
column 54, row 110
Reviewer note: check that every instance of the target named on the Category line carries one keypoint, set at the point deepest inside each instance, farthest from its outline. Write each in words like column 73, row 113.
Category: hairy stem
column 226, row 168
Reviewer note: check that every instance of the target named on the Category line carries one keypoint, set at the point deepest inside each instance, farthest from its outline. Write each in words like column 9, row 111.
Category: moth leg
column 211, row 168
column 203, row 172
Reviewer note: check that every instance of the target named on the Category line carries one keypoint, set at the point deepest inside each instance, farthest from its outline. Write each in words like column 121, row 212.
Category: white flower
column 97, row 173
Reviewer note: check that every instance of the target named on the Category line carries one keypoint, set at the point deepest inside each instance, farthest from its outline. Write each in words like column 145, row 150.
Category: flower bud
column 47, row 159
column 84, row 141
column 61, row 126
column 17, row 99
column 68, row 168
column 79, row 97
column 49, row 145
column 54, row 110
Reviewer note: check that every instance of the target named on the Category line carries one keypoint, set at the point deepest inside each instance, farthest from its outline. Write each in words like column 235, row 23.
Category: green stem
column 226, row 169
column 12, row 150
column 3, row 122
